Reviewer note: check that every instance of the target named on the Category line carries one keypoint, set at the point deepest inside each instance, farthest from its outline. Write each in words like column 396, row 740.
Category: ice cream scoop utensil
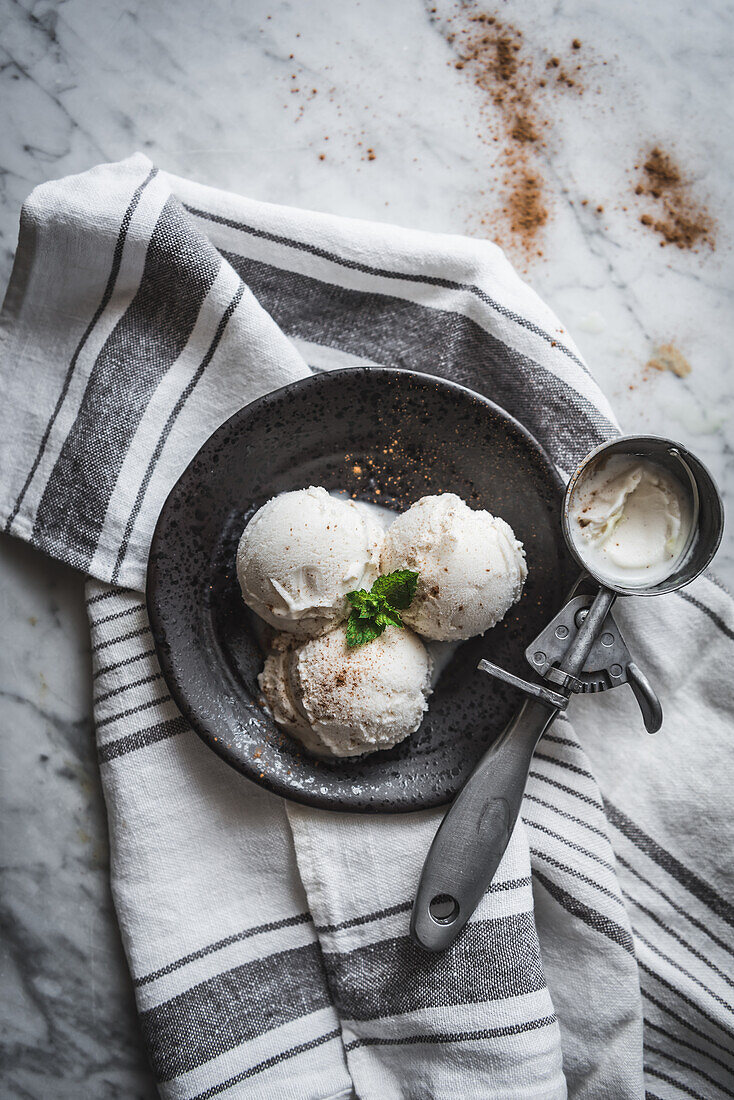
column 472, row 838
column 581, row 650
column 705, row 507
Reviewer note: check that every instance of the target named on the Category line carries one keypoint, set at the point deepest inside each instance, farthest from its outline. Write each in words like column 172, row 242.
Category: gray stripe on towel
column 180, row 268
column 491, row 961
column 399, row 333
column 104, row 302
column 151, row 735
column 232, row 1008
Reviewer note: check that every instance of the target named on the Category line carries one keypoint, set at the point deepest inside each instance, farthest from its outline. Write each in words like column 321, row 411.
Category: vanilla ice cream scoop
column 343, row 700
column 630, row 519
column 471, row 567
column 301, row 553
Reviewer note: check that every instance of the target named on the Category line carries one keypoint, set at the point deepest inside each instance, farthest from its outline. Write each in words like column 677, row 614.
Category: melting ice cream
column 345, row 701
column 471, row 567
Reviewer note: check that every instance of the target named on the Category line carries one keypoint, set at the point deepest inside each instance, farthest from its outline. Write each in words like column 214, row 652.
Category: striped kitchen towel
column 268, row 942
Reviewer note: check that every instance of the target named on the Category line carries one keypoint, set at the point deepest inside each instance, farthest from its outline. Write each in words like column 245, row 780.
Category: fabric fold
column 478, row 1018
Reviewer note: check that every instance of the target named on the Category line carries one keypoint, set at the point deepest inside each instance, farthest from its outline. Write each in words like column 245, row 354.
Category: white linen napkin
column 268, row 941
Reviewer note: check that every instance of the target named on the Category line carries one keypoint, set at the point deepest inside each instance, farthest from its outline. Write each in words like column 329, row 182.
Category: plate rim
column 273, row 783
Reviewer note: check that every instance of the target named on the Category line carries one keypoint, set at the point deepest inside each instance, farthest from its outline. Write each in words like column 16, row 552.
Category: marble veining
column 68, row 1022
column 281, row 101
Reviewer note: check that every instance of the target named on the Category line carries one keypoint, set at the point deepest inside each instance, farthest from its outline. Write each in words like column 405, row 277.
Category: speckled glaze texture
column 389, row 437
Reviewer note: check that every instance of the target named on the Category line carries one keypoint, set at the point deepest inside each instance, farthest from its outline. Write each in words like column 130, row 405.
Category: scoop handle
column 475, row 832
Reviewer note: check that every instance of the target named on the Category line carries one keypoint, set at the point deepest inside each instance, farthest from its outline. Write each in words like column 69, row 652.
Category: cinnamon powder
column 526, row 206
column 678, row 218
column 517, row 113
column 523, row 129
column 667, row 357
column 491, row 54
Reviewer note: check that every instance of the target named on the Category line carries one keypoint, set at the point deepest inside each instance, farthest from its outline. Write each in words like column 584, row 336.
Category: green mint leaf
column 373, row 611
column 397, row 588
column 364, row 603
column 360, row 631
column 372, row 605
column 388, row 617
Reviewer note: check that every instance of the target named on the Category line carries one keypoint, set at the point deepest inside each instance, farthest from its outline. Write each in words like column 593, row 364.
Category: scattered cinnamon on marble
column 667, row 357
column 516, row 116
column 673, row 213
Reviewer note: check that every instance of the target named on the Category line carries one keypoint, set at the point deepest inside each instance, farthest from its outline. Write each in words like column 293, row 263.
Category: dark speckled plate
column 390, row 437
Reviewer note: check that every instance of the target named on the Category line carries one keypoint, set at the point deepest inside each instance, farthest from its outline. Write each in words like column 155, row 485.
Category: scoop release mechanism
column 608, row 664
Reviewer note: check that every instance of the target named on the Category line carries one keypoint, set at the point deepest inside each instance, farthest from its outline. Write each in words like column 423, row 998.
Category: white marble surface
column 205, row 91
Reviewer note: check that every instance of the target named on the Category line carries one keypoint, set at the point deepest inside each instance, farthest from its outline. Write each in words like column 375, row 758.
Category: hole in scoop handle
column 474, row 834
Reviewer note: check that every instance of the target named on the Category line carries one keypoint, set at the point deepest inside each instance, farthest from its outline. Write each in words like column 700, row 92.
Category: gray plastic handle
column 474, row 834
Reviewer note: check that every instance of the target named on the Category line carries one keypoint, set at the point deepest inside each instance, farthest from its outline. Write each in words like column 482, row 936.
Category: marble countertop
column 359, row 109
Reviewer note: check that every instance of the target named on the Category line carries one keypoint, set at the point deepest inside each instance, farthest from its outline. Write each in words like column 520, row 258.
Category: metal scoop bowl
column 706, row 509
column 581, row 650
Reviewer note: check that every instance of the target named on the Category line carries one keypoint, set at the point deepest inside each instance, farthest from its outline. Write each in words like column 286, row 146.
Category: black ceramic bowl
column 390, row 437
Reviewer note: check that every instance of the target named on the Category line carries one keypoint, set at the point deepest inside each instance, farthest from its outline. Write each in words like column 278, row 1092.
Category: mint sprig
column 372, row 612
column 397, row 589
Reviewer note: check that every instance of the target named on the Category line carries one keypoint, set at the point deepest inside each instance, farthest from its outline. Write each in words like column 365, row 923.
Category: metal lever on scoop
column 608, row 663
column 553, row 698
column 475, row 832
column 647, row 700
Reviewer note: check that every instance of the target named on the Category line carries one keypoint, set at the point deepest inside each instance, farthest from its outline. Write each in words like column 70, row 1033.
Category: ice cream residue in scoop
column 630, row 520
